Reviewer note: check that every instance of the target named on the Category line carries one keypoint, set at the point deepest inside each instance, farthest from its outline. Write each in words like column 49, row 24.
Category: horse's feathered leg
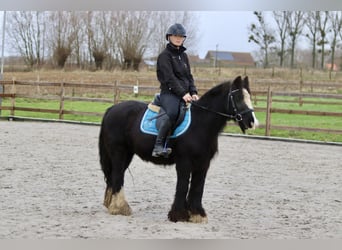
column 119, row 205
column 179, row 211
column 114, row 197
column 107, row 197
column 196, row 211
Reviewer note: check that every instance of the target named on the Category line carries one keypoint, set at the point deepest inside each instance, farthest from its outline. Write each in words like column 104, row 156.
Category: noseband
column 237, row 116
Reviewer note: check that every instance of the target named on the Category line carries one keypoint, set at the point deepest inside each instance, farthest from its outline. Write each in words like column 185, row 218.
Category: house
column 332, row 67
column 228, row 58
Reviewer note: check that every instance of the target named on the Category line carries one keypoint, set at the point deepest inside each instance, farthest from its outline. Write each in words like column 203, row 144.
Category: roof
column 220, row 55
column 234, row 57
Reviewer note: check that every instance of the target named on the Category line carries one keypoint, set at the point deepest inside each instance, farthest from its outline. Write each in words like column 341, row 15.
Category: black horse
column 121, row 138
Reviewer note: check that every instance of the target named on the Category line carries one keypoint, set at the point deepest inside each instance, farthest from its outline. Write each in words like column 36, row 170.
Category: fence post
column 13, row 97
column 38, row 81
column 136, row 89
column 61, row 102
column 268, row 112
column 115, row 91
column 1, row 92
column 254, row 94
column 330, row 70
column 300, row 99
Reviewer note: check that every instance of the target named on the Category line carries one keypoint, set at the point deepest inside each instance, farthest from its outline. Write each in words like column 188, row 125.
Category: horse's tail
column 105, row 160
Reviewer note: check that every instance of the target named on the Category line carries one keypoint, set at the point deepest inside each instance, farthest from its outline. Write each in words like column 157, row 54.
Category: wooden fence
column 269, row 97
column 111, row 93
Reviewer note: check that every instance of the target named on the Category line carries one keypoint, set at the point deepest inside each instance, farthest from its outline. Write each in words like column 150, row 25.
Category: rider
column 176, row 83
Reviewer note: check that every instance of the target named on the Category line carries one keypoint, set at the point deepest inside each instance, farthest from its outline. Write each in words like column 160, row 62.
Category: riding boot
column 160, row 148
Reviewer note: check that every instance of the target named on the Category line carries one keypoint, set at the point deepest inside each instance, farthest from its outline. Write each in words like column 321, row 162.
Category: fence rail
column 59, row 93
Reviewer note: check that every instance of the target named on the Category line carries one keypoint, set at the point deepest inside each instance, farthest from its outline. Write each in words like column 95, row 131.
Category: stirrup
column 164, row 153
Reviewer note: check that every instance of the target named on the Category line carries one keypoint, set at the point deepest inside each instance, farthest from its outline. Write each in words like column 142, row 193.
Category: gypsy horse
column 121, row 137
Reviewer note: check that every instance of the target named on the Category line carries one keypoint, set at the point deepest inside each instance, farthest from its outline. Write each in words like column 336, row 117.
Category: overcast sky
column 227, row 29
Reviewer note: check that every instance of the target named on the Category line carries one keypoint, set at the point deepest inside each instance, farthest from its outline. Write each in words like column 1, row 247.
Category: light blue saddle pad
column 148, row 123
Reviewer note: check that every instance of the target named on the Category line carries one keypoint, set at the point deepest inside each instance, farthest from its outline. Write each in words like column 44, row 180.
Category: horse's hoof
column 124, row 210
column 176, row 216
column 119, row 205
column 196, row 218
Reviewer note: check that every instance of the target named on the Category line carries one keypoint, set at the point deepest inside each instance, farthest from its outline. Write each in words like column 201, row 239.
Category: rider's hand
column 195, row 97
column 187, row 98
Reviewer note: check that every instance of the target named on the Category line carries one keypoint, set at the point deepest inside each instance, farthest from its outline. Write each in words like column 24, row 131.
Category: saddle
column 154, row 115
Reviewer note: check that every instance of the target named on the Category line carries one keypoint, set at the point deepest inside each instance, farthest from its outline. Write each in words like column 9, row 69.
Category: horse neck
column 210, row 121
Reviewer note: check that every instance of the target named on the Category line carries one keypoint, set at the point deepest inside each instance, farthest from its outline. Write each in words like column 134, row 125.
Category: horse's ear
column 246, row 82
column 237, row 83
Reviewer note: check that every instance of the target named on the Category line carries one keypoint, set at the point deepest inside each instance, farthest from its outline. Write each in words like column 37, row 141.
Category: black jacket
column 174, row 73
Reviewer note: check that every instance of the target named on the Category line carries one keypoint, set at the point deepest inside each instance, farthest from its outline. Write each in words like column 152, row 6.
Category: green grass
column 50, row 104
column 295, row 120
column 326, row 122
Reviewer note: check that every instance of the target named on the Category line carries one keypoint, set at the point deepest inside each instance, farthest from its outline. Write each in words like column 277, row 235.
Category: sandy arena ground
column 51, row 186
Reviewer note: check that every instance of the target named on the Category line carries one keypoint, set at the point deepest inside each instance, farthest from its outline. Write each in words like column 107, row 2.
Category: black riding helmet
column 177, row 30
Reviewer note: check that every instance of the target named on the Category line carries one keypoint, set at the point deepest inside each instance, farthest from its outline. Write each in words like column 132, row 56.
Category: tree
column 280, row 18
column 161, row 20
column 134, row 31
column 311, row 23
column 295, row 23
column 78, row 24
column 26, row 30
column 104, row 38
column 336, row 26
column 101, row 36
column 261, row 34
column 323, row 30
column 62, row 36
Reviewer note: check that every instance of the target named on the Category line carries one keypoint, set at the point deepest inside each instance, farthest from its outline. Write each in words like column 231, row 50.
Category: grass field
column 107, row 77
column 277, row 119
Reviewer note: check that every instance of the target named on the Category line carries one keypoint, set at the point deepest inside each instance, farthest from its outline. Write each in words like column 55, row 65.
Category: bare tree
column 295, row 22
column 102, row 29
column 62, row 36
column 96, row 40
column 78, row 24
column 190, row 22
column 280, row 18
column 25, row 29
column 311, row 23
column 323, row 30
column 336, row 26
column 134, row 31
column 161, row 20
column 261, row 34
column 108, row 38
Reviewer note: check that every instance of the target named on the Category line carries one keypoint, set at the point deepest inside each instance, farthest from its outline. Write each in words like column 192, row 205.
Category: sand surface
column 51, row 186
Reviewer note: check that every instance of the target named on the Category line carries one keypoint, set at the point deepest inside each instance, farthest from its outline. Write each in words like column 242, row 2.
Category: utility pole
column 215, row 63
column 2, row 55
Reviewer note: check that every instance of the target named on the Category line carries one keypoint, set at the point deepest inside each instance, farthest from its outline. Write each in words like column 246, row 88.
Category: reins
column 237, row 115
column 213, row 111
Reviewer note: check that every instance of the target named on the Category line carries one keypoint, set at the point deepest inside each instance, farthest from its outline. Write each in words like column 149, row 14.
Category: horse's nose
column 255, row 123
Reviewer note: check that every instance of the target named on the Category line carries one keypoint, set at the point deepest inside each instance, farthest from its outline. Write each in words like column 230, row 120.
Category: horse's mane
column 220, row 89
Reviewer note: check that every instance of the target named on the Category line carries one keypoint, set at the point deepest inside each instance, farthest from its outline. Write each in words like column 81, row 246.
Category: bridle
column 237, row 116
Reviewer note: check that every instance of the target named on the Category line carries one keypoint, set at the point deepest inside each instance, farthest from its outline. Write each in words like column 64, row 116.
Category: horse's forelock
column 247, row 98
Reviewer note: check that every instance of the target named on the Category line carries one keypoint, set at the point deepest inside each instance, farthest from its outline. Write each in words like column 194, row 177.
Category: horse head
column 240, row 104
